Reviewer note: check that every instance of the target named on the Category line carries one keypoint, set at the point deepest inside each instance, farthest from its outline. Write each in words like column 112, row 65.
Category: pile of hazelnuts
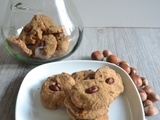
column 147, row 95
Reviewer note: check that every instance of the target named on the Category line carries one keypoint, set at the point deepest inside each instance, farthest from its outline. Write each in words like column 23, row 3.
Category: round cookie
column 91, row 94
column 55, row 89
column 45, row 48
column 82, row 113
column 83, row 75
column 111, row 77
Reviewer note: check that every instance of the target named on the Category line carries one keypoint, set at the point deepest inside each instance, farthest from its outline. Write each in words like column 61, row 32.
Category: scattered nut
column 97, row 55
column 148, row 89
column 125, row 67
column 147, row 103
column 142, row 94
column 144, row 81
column 153, row 97
column 113, row 59
column 106, row 53
column 150, row 110
column 123, row 62
column 134, row 71
column 137, row 80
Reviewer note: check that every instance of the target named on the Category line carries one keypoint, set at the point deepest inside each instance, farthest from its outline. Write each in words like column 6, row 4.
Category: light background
column 112, row 13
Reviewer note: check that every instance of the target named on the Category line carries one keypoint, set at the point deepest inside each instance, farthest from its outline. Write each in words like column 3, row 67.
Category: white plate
column 127, row 106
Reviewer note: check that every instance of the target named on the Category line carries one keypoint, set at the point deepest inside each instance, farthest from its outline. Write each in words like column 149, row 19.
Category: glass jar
column 41, row 31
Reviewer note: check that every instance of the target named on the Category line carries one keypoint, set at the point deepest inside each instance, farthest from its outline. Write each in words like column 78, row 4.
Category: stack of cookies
column 86, row 94
column 88, row 100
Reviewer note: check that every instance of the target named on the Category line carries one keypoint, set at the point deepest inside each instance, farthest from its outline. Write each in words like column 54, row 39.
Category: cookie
column 109, row 75
column 91, row 94
column 73, row 117
column 82, row 113
column 83, row 75
column 55, row 89
column 62, row 47
column 46, row 47
column 18, row 45
column 54, row 30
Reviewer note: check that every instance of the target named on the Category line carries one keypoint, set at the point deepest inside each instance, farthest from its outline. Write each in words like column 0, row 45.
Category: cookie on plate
column 83, row 113
column 90, row 94
column 73, row 117
column 111, row 77
column 55, row 89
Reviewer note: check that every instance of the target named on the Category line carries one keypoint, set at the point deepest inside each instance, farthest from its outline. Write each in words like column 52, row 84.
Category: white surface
column 113, row 13
column 28, row 106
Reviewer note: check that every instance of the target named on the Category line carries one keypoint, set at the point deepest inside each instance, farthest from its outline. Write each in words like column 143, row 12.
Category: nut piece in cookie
column 55, row 89
column 18, row 45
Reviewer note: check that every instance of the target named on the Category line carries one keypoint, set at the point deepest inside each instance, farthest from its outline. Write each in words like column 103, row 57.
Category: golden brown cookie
column 46, row 47
column 18, row 45
column 91, row 94
column 55, row 89
column 111, row 77
column 83, row 75
column 82, row 113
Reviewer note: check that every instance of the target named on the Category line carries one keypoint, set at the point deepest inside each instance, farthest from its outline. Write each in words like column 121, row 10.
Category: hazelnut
column 106, row 53
column 148, row 89
column 147, row 103
column 134, row 71
column 144, row 81
column 136, row 79
column 54, row 87
column 153, row 97
column 125, row 67
column 123, row 62
column 142, row 94
column 97, row 55
column 92, row 89
column 113, row 59
column 150, row 110
column 109, row 80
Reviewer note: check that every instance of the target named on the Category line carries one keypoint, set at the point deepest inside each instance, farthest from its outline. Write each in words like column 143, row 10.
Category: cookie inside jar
column 41, row 38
